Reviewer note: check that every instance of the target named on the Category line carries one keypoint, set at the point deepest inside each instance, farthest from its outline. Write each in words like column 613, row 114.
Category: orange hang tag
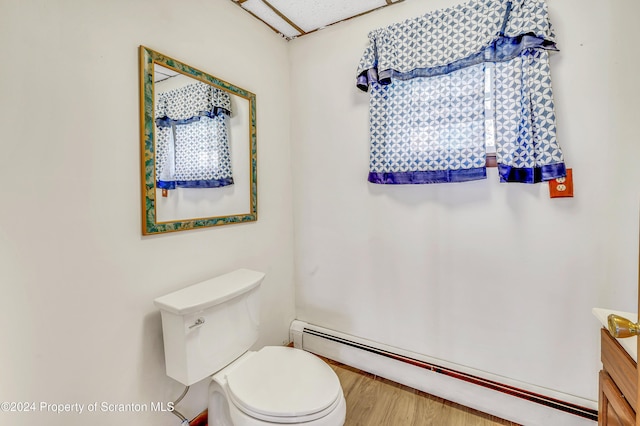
column 562, row 187
column 165, row 193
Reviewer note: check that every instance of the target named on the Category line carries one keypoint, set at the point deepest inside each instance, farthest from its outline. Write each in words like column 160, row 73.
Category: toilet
column 208, row 329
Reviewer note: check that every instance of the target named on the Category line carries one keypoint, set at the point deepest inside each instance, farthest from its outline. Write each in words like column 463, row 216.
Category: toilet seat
column 284, row 385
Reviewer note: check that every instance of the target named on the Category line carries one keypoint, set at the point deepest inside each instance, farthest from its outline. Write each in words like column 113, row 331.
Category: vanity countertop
column 630, row 344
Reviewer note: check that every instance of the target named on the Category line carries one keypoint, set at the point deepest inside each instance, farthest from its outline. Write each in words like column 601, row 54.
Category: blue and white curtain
column 443, row 84
column 192, row 138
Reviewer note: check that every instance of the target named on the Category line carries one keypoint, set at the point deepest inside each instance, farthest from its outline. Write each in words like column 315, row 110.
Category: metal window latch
column 198, row 322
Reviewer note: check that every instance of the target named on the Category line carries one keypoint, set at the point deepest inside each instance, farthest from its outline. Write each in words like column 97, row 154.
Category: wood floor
column 373, row 401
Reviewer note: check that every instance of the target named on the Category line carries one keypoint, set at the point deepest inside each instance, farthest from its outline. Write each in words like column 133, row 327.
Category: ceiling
column 295, row 18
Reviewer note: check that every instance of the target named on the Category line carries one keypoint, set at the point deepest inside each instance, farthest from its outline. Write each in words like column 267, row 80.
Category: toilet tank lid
column 210, row 292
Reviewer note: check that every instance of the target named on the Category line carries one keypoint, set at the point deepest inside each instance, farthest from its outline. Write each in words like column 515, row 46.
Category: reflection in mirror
column 201, row 148
column 198, row 146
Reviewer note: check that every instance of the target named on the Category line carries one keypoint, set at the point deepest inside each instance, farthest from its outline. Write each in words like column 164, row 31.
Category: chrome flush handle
column 198, row 323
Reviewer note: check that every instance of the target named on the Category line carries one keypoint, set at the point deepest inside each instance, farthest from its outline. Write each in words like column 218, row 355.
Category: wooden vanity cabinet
column 618, row 384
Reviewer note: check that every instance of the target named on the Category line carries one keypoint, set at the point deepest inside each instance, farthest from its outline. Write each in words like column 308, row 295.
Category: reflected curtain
column 192, row 138
column 444, row 83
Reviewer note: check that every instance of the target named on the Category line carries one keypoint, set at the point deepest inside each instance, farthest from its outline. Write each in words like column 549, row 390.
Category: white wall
column 497, row 277
column 77, row 279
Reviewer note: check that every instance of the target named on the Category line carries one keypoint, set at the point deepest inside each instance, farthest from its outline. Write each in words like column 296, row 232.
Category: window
column 452, row 86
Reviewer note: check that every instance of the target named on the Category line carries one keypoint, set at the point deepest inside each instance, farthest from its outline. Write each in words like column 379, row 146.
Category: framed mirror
column 198, row 148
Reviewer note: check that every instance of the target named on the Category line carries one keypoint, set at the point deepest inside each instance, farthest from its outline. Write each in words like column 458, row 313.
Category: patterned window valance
column 434, row 79
column 453, row 38
column 192, row 140
column 189, row 102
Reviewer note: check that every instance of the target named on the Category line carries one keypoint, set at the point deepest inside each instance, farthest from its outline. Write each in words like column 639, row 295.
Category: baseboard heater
column 472, row 388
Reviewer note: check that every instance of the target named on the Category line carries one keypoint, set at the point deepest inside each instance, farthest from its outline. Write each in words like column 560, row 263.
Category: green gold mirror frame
column 148, row 58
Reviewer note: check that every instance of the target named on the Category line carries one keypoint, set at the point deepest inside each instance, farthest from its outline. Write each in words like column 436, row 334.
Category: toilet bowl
column 276, row 385
column 208, row 329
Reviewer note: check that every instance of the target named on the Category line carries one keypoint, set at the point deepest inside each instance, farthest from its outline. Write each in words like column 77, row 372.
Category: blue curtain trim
column 163, row 184
column 533, row 174
column 366, row 78
column 503, row 49
column 168, row 122
column 435, row 176
column 211, row 183
column 506, row 18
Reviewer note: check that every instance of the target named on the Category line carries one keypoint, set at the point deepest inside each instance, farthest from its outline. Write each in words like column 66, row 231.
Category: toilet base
column 223, row 412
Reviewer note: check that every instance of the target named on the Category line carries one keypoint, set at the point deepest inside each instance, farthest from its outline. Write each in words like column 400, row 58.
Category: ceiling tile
column 293, row 18
column 313, row 14
column 264, row 12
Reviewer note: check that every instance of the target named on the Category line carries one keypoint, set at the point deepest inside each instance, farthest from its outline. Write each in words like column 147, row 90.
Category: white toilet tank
column 208, row 325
